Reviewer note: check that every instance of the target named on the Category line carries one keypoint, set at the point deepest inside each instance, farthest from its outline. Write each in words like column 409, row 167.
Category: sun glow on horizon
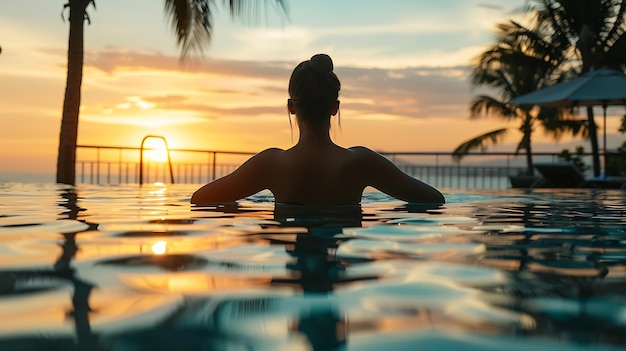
column 155, row 150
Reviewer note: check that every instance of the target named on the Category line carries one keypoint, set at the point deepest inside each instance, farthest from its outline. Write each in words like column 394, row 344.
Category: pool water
column 137, row 268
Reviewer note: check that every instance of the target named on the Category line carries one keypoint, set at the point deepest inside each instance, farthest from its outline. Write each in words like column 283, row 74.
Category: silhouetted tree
column 575, row 36
column 590, row 33
column 517, row 64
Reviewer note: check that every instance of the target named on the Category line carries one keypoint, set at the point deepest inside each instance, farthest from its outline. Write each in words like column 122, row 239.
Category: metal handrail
column 141, row 150
column 438, row 167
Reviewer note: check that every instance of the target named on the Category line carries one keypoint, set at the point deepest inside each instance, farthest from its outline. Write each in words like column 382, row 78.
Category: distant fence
column 120, row 165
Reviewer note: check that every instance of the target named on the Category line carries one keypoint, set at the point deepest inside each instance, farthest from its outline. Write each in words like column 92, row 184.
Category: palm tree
column 590, row 33
column 520, row 62
column 66, row 157
column 192, row 23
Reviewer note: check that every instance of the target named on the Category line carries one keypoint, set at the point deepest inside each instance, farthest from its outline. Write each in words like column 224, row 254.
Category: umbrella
column 601, row 87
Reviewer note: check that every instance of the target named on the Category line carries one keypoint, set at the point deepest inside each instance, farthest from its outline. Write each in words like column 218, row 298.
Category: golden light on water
column 192, row 282
column 159, row 248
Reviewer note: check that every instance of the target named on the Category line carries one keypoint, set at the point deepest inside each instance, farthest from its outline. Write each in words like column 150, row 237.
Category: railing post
column 437, row 169
column 214, row 165
column 458, row 175
column 119, row 167
column 98, row 166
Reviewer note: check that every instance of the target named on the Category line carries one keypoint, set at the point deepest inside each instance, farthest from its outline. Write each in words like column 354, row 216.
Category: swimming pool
column 136, row 268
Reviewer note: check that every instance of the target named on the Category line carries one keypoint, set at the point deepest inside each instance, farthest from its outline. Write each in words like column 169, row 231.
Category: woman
column 316, row 171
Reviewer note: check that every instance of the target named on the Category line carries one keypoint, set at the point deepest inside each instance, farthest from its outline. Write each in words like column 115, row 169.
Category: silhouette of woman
column 316, row 171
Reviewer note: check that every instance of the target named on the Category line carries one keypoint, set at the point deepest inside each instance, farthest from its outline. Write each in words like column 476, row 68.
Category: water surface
column 136, row 268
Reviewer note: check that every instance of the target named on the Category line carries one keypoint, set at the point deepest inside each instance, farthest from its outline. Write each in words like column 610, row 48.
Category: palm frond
column 192, row 23
column 239, row 9
column 192, row 20
column 488, row 105
column 574, row 127
column 480, row 142
column 520, row 61
column 617, row 29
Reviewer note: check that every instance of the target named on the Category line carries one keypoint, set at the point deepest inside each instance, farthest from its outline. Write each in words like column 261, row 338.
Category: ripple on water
column 403, row 233
column 34, row 226
column 381, row 250
column 397, row 302
column 138, row 268
column 462, row 274
column 420, row 220
column 440, row 339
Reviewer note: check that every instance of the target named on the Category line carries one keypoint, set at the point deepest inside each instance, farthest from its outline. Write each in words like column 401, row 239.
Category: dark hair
column 314, row 88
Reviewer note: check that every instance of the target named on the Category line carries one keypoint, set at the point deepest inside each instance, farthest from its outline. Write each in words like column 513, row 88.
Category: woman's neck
column 314, row 137
column 312, row 134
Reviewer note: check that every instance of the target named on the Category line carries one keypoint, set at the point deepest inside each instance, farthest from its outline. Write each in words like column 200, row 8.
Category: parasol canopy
column 602, row 87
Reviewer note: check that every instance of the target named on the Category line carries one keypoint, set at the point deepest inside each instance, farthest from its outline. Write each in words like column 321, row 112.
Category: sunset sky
column 403, row 66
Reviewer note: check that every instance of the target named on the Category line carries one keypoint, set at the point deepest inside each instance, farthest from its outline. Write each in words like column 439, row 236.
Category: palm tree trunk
column 66, row 161
column 528, row 130
column 593, row 139
column 529, row 160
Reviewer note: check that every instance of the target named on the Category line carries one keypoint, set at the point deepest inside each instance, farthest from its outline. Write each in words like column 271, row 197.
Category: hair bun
column 322, row 63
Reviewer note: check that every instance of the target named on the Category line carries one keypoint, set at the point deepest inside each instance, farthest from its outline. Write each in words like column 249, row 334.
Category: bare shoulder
column 268, row 154
column 379, row 172
column 271, row 151
column 251, row 177
column 365, row 154
column 362, row 151
column 367, row 163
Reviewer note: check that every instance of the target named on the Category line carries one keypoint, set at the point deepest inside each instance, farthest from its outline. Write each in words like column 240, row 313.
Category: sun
column 155, row 150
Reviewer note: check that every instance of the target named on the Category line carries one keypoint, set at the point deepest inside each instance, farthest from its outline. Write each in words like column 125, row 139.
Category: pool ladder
column 167, row 149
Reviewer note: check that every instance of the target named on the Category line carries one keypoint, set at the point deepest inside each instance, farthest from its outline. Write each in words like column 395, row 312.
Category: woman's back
column 316, row 171
column 322, row 175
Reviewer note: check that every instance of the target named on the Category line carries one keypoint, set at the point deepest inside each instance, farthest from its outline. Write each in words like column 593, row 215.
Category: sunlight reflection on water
column 136, row 268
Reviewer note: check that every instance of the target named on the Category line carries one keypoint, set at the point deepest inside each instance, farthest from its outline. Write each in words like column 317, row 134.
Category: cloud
column 212, row 88
column 212, row 111
column 410, row 92
column 490, row 6
column 166, row 100
column 518, row 11
column 112, row 60
column 151, row 121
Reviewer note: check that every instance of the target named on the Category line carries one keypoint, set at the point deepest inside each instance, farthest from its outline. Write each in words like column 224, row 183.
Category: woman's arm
column 250, row 178
column 385, row 176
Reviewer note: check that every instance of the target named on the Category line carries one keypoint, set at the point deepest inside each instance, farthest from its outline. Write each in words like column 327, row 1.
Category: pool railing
column 98, row 164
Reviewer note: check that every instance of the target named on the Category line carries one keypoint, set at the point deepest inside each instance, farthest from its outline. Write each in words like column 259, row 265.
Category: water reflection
column 82, row 288
column 314, row 270
column 315, row 267
column 554, row 252
column 61, row 270
column 536, row 269
column 317, row 270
